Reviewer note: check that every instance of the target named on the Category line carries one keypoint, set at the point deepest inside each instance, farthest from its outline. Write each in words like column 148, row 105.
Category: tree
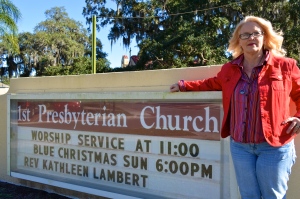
column 81, row 65
column 57, row 45
column 179, row 33
column 284, row 15
column 291, row 26
column 9, row 15
column 59, row 38
column 28, row 50
column 99, row 53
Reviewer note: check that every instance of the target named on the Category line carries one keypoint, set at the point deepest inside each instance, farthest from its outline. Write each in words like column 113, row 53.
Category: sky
column 33, row 12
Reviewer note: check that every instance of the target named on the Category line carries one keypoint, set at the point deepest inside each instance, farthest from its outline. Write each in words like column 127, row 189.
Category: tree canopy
column 9, row 15
column 59, row 39
column 57, row 45
column 179, row 33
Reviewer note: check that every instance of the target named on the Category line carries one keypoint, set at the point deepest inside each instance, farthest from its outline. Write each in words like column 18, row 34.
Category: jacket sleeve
column 209, row 84
column 295, row 91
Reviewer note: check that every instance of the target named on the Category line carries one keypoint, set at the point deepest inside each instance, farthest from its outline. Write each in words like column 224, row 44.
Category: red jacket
column 278, row 82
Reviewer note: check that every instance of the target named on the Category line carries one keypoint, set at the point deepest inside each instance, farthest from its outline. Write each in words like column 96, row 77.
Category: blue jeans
column 262, row 171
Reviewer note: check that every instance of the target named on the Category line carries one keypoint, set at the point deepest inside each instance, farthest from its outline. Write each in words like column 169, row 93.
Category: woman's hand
column 174, row 88
column 294, row 127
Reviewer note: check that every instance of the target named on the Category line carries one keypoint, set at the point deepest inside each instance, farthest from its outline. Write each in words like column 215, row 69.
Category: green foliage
column 57, row 42
column 82, row 65
column 59, row 38
column 58, row 46
column 53, row 71
column 99, row 52
column 184, row 33
column 5, row 80
column 9, row 15
column 170, row 34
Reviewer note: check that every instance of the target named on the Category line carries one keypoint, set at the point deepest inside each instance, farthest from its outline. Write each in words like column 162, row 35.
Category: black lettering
column 113, row 159
column 139, row 146
column 110, row 175
column 106, row 159
column 102, row 175
column 26, row 161
column 80, row 143
column 127, row 178
column 135, row 162
column 206, row 171
column 127, row 163
column 120, row 178
column 94, row 173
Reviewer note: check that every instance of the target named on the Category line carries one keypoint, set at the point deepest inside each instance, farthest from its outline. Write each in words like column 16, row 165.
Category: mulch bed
column 8, row 190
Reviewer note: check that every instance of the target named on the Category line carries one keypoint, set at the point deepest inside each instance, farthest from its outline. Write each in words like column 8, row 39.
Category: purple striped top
column 245, row 113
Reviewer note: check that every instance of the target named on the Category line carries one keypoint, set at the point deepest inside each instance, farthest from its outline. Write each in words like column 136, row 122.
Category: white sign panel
column 161, row 149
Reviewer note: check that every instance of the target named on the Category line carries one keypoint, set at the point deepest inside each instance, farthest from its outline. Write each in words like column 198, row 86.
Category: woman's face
column 251, row 38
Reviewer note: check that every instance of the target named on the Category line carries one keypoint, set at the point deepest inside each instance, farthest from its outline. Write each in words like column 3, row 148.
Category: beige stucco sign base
column 44, row 146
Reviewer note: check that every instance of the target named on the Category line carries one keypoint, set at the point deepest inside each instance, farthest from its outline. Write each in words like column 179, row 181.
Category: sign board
column 140, row 146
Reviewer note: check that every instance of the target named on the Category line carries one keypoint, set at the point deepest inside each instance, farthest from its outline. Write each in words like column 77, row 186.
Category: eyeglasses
column 248, row 35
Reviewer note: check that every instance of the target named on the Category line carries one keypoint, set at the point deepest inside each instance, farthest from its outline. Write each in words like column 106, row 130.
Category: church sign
column 120, row 145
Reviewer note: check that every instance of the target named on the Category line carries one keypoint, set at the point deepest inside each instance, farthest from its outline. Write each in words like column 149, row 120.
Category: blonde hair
column 272, row 39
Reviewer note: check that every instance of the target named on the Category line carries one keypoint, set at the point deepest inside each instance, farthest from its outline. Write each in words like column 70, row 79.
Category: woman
column 256, row 90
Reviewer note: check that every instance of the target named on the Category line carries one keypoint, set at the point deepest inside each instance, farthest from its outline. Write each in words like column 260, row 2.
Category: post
column 94, row 46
